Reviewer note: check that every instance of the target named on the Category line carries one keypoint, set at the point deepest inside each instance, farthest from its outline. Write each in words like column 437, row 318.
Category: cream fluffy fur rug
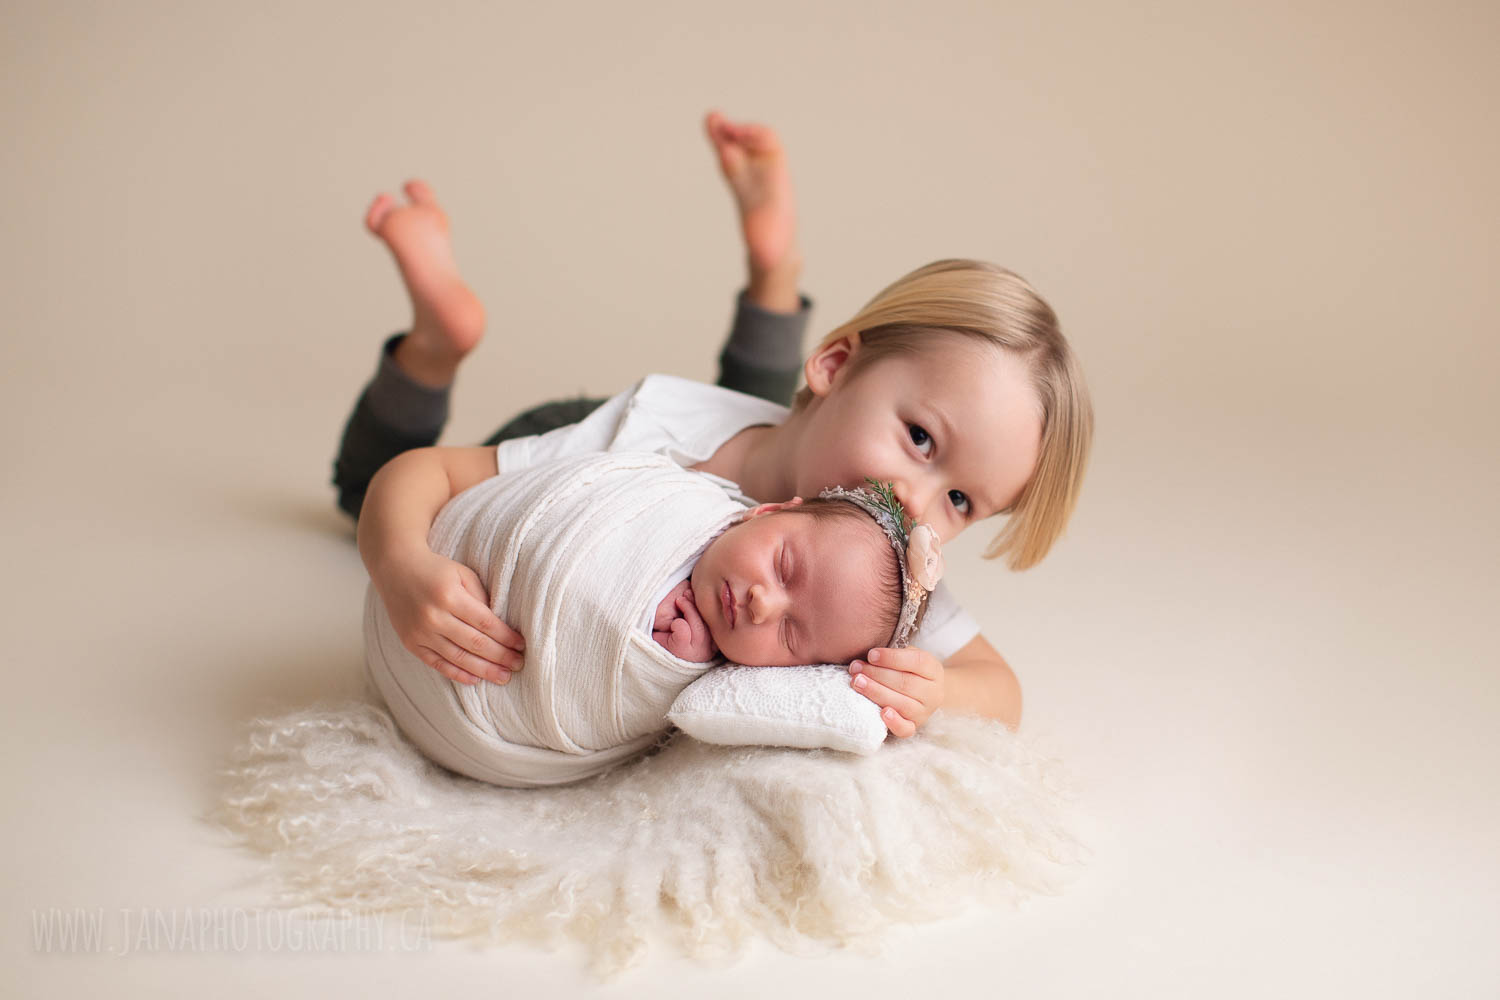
column 704, row 844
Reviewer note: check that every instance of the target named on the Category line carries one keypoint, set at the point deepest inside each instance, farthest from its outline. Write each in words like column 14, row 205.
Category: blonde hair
column 989, row 304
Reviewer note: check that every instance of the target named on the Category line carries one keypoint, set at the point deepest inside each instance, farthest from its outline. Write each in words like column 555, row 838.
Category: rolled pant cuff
column 402, row 403
column 766, row 339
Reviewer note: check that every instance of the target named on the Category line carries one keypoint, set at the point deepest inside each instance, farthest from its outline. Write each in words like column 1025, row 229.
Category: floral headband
column 918, row 550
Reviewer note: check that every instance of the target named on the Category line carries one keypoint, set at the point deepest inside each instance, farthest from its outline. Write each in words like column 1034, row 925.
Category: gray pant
column 762, row 357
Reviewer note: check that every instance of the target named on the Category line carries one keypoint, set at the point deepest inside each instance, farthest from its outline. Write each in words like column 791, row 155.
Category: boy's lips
column 726, row 599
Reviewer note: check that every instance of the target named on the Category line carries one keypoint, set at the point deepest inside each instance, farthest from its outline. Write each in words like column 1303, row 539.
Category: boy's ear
column 824, row 364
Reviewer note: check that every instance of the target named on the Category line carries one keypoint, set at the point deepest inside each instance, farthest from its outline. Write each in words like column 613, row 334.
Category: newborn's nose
column 764, row 602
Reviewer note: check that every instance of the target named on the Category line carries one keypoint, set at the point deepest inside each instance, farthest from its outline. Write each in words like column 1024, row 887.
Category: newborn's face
column 788, row 588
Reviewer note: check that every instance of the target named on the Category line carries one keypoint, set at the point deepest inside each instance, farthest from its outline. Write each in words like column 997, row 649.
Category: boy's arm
column 405, row 496
column 438, row 607
column 977, row 680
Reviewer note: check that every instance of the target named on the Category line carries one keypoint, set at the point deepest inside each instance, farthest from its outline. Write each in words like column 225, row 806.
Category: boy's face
column 784, row 588
column 955, row 429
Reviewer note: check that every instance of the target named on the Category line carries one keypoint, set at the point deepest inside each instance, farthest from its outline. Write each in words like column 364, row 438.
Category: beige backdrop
column 1269, row 229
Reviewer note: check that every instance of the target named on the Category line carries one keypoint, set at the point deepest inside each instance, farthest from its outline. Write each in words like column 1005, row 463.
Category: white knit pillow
column 805, row 707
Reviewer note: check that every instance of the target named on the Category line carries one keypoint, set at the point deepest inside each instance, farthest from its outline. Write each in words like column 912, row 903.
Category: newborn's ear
column 768, row 508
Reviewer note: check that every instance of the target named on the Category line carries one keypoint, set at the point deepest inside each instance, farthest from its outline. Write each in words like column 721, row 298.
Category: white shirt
column 688, row 421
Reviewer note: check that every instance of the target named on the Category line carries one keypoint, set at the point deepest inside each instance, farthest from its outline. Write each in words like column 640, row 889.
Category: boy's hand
column 754, row 164
column 441, row 612
column 906, row 683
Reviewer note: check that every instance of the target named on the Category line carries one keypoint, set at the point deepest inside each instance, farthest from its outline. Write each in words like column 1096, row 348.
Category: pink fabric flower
column 924, row 556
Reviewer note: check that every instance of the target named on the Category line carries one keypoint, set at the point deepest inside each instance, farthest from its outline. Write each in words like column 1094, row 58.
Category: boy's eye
column 920, row 438
column 959, row 501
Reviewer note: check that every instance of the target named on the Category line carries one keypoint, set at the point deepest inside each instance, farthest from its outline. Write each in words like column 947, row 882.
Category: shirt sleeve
column 947, row 627
column 595, row 432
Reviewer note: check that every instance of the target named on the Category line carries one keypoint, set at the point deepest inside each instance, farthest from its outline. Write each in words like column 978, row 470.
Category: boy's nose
column 915, row 499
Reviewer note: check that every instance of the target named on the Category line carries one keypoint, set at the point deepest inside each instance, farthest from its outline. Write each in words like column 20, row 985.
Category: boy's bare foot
column 754, row 164
column 447, row 317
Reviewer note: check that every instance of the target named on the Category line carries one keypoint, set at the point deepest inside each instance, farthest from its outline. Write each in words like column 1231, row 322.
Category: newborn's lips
column 726, row 598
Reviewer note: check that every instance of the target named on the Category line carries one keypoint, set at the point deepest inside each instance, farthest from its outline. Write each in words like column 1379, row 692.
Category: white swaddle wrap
column 574, row 553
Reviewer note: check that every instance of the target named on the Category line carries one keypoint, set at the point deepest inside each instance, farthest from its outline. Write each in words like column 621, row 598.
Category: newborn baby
column 792, row 583
column 630, row 577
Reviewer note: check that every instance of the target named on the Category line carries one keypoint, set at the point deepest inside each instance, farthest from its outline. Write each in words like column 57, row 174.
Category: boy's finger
column 884, row 696
column 900, row 726
column 471, row 664
column 896, row 680
column 479, row 616
column 475, row 642
column 442, row 666
column 499, row 631
column 909, row 659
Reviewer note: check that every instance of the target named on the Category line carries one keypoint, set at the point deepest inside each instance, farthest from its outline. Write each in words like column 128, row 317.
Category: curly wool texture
column 706, row 845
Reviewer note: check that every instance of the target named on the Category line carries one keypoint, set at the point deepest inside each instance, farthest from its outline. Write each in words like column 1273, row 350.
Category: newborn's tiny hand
column 666, row 611
column 687, row 637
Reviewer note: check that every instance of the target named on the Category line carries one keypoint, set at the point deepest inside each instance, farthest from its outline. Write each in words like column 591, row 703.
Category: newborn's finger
column 689, row 611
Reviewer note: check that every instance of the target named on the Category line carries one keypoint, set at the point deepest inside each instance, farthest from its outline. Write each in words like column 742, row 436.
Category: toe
column 419, row 192
column 376, row 213
column 758, row 137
